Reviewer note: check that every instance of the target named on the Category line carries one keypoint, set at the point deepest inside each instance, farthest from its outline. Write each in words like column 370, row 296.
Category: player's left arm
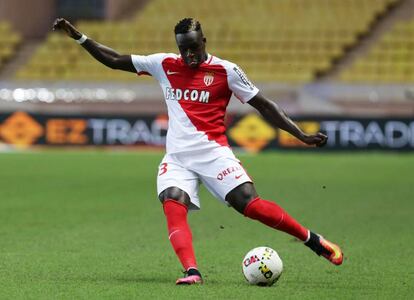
column 273, row 114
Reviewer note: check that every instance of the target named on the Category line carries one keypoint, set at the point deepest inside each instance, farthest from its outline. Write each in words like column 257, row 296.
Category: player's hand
column 319, row 139
column 67, row 27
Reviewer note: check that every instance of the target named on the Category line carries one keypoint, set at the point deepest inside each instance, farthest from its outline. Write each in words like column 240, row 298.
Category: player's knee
column 175, row 193
column 240, row 196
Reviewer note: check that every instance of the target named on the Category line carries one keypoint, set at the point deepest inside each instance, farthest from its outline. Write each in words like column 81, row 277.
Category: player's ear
column 204, row 40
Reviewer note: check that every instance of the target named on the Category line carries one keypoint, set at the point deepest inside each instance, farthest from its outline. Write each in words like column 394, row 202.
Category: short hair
column 186, row 25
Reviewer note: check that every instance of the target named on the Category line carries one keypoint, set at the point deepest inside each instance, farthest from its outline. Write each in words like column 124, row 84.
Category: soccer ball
column 262, row 266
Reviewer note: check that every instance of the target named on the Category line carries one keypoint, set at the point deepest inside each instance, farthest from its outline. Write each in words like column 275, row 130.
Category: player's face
column 192, row 46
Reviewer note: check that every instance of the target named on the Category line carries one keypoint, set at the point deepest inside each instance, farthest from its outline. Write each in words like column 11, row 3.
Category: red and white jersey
column 196, row 98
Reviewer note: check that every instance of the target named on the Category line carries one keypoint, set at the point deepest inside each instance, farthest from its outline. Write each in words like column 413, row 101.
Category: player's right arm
column 101, row 53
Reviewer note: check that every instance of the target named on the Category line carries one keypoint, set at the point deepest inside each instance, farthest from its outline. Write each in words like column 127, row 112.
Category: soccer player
column 197, row 87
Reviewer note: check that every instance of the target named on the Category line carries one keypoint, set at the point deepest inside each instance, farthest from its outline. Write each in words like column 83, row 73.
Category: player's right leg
column 177, row 188
column 175, row 203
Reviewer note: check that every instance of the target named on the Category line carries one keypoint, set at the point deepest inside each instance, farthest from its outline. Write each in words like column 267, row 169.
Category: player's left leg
column 245, row 200
column 223, row 175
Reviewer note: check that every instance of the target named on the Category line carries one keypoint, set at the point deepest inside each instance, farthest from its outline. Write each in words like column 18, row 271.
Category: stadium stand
column 9, row 41
column 284, row 40
column 390, row 60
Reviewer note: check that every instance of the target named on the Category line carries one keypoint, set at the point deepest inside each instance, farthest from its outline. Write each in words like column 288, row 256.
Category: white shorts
column 218, row 169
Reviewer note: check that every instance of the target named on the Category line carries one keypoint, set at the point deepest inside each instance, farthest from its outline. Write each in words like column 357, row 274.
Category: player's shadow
column 143, row 278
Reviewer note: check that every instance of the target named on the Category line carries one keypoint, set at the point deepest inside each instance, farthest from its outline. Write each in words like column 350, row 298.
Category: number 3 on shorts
column 163, row 169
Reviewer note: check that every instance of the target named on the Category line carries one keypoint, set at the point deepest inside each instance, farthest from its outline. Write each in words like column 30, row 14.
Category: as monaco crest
column 208, row 78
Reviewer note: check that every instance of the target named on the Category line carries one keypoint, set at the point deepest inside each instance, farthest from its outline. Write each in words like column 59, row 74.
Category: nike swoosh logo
column 171, row 72
column 238, row 176
column 337, row 252
column 175, row 231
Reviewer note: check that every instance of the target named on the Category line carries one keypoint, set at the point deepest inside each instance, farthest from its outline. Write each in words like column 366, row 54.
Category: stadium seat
column 390, row 60
column 284, row 40
column 9, row 41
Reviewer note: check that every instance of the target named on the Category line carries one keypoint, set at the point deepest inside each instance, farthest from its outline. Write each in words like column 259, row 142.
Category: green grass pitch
column 88, row 225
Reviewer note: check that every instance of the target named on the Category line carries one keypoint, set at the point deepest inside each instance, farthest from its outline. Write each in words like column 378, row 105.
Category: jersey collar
column 206, row 62
column 209, row 59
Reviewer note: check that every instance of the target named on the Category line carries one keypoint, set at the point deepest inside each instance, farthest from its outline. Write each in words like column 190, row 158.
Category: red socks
column 179, row 232
column 264, row 211
column 273, row 215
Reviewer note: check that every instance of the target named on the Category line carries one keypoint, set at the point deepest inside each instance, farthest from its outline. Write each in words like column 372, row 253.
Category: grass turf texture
column 88, row 225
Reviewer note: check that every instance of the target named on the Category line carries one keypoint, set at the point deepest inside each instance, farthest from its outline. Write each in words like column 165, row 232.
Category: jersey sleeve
column 148, row 64
column 240, row 85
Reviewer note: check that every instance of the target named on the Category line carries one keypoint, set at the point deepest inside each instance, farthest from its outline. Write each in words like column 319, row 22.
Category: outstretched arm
column 101, row 53
column 276, row 117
